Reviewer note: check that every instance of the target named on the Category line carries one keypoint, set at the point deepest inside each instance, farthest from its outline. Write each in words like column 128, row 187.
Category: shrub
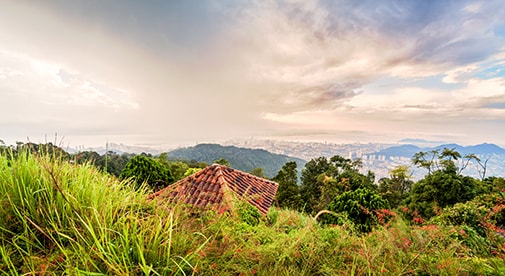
column 145, row 169
column 361, row 207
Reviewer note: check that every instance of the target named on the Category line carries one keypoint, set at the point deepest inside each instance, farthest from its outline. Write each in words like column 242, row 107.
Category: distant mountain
column 485, row 149
column 403, row 151
column 410, row 150
column 243, row 159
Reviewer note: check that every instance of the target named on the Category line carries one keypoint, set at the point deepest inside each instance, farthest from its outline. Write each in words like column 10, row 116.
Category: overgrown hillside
column 240, row 158
column 66, row 219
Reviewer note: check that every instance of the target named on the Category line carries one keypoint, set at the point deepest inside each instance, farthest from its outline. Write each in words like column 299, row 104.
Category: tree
column 258, row 172
column 112, row 162
column 396, row 188
column 482, row 167
column 344, row 175
column 163, row 159
column 191, row 171
column 323, row 179
column 493, row 184
column 310, row 190
column 425, row 160
column 223, row 161
column 178, row 169
column 86, row 156
column 360, row 206
column 444, row 187
column 436, row 160
column 288, row 195
column 145, row 169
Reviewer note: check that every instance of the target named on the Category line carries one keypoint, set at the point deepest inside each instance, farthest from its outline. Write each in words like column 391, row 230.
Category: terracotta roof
column 216, row 185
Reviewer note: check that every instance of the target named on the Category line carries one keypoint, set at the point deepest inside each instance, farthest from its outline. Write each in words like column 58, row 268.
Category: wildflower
column 418, row 220
column 407, row 242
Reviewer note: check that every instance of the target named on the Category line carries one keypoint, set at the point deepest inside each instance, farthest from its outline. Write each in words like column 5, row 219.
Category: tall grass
column 57, row 217
column 60, row 218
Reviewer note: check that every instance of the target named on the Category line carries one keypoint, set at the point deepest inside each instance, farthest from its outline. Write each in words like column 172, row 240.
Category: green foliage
column 111, row 162
column 493, row 184
column 181, row 168
column 479, row 222
column 440, row 189
column 247, row 213
column 444, row 185
column 222, row 161
column 258, row 172
column 178, row 169
column 361, row 207
column 47, row 149
column 145, row 169
column 310, row 189
column 191, row 171
column 63, row 219
column 59, row 218
column 323, row 179
column 395, row 189
column 288, row 195
column 483, row 212
column 240, row 158
column 446, row 160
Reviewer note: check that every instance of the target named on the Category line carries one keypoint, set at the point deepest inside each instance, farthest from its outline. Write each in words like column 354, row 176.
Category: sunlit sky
column 180, row 72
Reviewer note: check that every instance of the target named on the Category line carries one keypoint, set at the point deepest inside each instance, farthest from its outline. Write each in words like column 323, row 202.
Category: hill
column 243, row 159
column 58, row 218
column 410, row 150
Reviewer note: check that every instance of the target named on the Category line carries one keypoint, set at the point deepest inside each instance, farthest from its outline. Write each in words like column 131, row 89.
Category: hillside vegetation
column 68, row 219
column 240, row 158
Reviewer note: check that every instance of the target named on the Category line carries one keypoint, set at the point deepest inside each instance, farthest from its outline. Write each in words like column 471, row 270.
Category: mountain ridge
column 244, row 159
column 409, row 150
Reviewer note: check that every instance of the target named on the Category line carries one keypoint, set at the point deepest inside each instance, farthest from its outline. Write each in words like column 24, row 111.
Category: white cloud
column 460, row 74
column 45, row 82
column 250, row 68
column 473, row 7
column 482, row 91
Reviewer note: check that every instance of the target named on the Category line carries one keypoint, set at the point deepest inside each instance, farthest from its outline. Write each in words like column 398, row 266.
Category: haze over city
column 179, row 72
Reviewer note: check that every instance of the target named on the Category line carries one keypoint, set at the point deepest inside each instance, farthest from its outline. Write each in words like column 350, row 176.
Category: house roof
column 215, row 185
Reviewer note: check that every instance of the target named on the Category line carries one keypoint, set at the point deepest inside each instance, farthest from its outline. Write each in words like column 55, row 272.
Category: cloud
column 178, row 71
column 306, row 45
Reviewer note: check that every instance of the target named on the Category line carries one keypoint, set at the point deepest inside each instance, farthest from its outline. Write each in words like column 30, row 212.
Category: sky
column 183, row 72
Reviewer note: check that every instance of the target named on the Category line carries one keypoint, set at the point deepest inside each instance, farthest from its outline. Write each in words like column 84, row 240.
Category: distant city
column 377, row 157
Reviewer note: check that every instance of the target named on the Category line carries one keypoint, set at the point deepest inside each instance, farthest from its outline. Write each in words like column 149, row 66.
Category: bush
column 145, row 169
column 361, row 206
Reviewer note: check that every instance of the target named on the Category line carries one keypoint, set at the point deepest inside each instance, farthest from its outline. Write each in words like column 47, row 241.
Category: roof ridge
column 225, row 188
column 245, row 173
column 220, row 176
column 174, row 185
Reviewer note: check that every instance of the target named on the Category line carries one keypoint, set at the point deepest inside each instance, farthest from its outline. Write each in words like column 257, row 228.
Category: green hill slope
column 240, row 158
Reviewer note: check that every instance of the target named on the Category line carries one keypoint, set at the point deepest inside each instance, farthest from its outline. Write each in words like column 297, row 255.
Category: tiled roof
column 215, row 186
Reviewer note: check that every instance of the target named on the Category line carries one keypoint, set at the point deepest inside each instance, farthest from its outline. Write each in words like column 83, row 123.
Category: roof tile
column 206, row 188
